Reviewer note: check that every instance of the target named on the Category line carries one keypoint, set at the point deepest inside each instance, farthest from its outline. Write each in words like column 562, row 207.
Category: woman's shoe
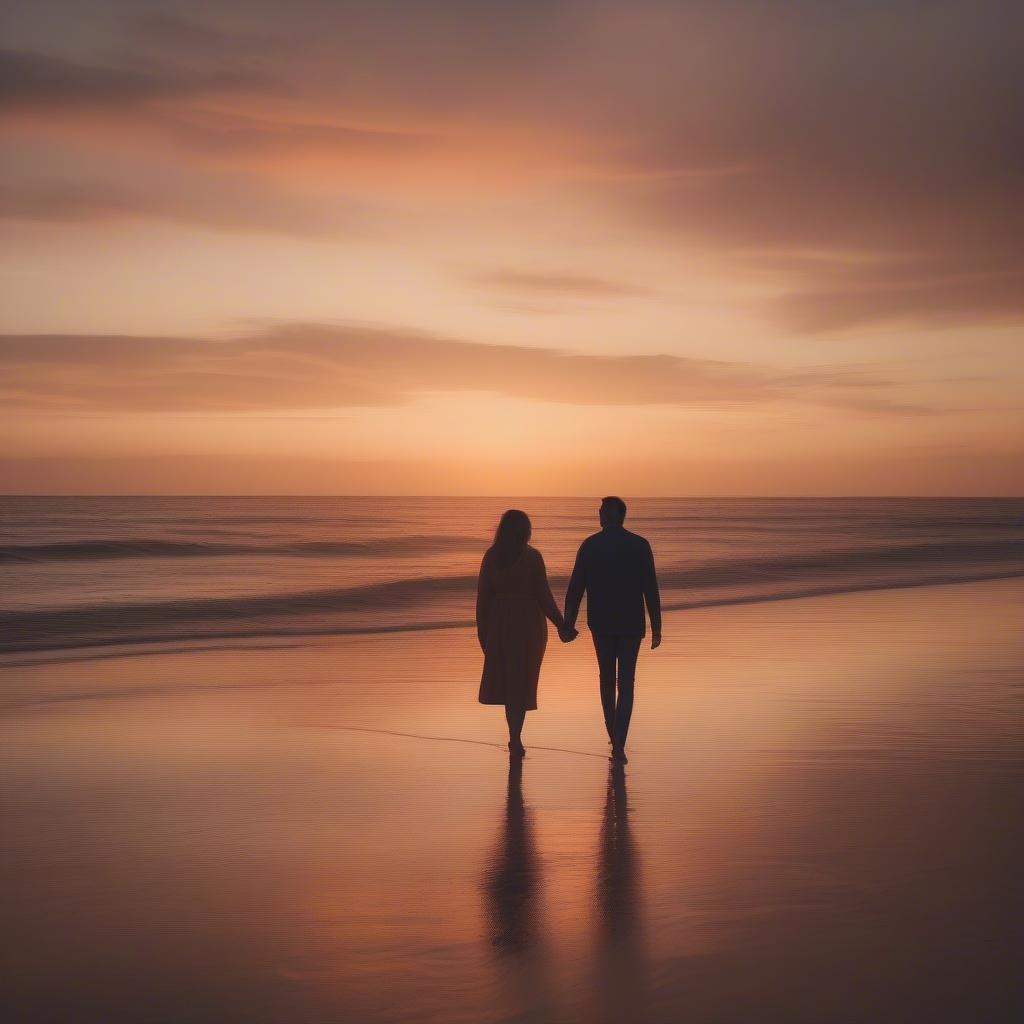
column 618, row 756
column 516, row 751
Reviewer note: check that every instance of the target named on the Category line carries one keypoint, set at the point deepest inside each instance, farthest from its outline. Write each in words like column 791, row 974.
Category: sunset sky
column 512, row 247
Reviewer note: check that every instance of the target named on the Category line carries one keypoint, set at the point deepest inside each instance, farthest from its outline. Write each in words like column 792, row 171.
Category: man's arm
column 652, row 597
column 577, row 585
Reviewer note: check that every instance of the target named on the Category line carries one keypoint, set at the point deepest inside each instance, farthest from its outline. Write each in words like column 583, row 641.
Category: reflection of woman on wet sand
column 511, row 890
column 513, row 603
column 511, row 885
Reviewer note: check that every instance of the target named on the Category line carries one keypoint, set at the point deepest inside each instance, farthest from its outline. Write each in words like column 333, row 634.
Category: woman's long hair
column 512, row 535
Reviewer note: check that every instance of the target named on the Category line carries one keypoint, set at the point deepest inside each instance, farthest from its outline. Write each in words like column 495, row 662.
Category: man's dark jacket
column 615, row 568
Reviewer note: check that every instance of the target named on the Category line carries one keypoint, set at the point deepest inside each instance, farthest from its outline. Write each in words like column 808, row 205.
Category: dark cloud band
column 301, row 367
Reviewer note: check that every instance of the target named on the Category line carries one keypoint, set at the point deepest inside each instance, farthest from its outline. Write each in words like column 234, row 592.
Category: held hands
column 569, row 633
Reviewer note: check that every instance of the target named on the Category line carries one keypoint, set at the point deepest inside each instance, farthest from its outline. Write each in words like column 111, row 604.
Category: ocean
column 246, row 776
column 84, row 574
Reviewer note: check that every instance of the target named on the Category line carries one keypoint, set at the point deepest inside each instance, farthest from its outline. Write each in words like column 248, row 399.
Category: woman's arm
column 544, row 595
column 483, row 602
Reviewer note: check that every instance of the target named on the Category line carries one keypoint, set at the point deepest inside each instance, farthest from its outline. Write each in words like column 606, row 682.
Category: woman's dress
column 512, row 607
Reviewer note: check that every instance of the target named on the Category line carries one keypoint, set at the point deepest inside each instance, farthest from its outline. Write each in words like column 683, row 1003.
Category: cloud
column 33, row 81
column 881, row 150
column 553, row 285
column 237, row 205
column 171, row 35
column 742, row 128
column 244, row 136
column 173, row 101
column 202, row 118
column 302, row 367
column 939, row 291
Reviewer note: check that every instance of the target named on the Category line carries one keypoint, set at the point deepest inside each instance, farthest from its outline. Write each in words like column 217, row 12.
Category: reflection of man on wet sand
column 619, row 957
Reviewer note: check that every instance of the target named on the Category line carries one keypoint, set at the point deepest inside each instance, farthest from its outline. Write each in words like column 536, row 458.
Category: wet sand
column 820, row 822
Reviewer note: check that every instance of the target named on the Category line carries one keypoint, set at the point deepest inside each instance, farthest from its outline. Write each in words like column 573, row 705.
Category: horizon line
column 546, row 497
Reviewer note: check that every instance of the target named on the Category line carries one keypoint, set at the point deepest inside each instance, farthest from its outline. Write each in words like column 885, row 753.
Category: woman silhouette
column 513, row 601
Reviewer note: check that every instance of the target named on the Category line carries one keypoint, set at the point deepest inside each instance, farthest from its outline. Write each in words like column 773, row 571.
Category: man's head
column 613, row 511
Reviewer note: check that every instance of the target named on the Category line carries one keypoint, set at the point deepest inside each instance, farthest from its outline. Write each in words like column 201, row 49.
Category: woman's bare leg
column 515, row 716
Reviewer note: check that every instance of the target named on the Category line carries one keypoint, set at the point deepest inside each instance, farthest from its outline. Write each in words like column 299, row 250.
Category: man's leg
column 606, row 648
column 627, row 649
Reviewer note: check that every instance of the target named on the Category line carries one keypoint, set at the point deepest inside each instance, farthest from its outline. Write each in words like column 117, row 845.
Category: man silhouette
column 615, row 568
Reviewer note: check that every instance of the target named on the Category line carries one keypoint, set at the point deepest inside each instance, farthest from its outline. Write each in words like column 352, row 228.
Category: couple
column 614, row 568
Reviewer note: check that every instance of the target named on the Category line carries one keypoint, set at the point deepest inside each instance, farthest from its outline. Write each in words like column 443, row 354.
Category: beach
column 376, row 377
column 820, row 821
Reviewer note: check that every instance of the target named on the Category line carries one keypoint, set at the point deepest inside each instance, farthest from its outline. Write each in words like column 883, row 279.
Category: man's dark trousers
column 616, row 662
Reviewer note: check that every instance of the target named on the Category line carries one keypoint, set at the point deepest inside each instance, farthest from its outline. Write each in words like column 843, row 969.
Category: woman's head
column 512, row 535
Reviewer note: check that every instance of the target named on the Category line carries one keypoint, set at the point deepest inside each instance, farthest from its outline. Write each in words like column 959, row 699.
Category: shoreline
column 279, row 638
